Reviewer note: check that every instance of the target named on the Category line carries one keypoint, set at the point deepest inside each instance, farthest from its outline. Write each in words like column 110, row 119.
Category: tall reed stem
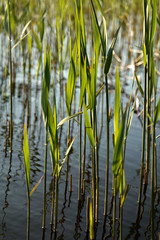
column 80, row 155
column 148, row 121
column 107, row 165
column 10, row 67
column 114, row 210
column 28, row 216
column 45, row 179
column 143, row 143
column 56, row 204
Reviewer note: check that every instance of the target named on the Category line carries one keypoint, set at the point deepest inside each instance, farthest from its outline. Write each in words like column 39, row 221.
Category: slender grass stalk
column 45, row 180
column 107, row 165
column 80, row 156
column 152, row 179
column 10, row 67
column 53, row 199
column 108, row 61
column 56, row 204
column 97, row 172
column 84, row 154
column 143, row 143
column 91, row 221
column 27, row 170
column 114, row 208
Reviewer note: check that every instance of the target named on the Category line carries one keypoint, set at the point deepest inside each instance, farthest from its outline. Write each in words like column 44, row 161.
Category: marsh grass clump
column 79, row 82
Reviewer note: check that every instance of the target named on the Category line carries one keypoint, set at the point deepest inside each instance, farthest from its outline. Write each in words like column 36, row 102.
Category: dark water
column 71, row 216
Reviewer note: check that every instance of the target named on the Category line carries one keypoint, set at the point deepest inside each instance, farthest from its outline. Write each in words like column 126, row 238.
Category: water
column 27, row 109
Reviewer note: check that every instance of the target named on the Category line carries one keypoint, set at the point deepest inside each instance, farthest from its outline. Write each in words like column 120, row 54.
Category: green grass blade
column 99, row 7
column 46, row 84
column 110, row 53
column 139, row 86
column 144, row 55
column 68, row 118
column 117, row 105
column 26, row 159
column 88, row 127
column 67, row 153
column 39, row 64
column 91, row 228
column 154, row 18
column 124, row 195
column 37, row 40
column 118, row 147
column 83, row 82
column 71, row 80
column 157, row 112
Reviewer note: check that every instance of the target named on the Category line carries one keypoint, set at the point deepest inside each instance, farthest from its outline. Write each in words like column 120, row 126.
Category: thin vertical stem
column 97, row 172
column 152, row 184
column 53, row 197
column 28, row 217
column 107, row 165
column 56, row 205
column 114, row 210
column 93, row 170
column 45, row 179
column 10, row 66
column 80, row 150
column 84, row 152
column 143, row 143
column 68, row 142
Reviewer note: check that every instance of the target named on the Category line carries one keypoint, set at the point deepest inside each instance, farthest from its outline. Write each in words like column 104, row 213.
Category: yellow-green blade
column 26, row 158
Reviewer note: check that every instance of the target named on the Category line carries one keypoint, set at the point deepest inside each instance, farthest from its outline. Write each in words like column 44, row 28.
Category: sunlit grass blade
column 35, row 187
column 83, row 83
column 110, row 53
column 124, row 195
column 66, row 119
column 117, row 105
column 37, row 40
column 46, row 84
column 88, row 127
column 139, row 85
column 144, row 55
column 67, row 153
column 91, row 221
column 157, row 112
column 118, row 147
column 52, row 124
column 71, row 80
column 26, row 158
column 154, row 18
